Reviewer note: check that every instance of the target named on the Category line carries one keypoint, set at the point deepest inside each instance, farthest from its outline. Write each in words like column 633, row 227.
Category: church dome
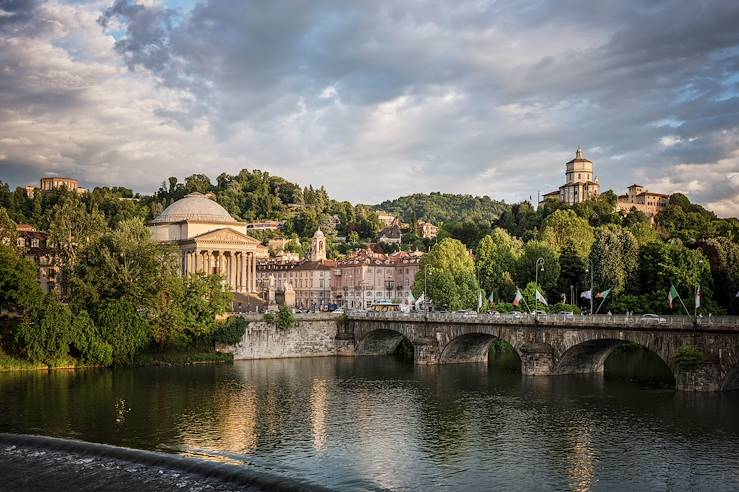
column 319, row 233
column 196, row 207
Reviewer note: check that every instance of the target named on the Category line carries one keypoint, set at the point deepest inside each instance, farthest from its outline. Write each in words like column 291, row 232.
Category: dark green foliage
column 46, row 332
column 19, row 288
column 231, row 331
column 87, row 342
column 688, row 356
column 285, row 318
column 572, row 271
column 563, row 307
column 439, row 208
column 269, row 318
column 526, row 267
column 123, row 328
column 450, row 280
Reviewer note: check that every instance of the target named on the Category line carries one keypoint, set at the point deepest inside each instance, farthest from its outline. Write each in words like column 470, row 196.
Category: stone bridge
column 553, row 345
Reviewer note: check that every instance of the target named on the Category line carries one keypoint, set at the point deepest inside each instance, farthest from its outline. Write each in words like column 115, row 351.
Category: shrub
column 123, row 328
column 285, row 318
column 688, row 355
column 88, row 342
column 46, row 332
column 231, row 331
column 269, row 318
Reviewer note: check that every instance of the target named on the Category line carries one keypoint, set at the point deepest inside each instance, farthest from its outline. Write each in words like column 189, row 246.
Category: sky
column 375, row 99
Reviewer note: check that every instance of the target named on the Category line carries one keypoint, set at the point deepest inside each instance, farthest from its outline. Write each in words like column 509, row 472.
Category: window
column 21, row 242
column 34, row 243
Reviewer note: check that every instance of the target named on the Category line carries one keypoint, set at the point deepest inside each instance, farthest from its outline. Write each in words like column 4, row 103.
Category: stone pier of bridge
column 555, row 346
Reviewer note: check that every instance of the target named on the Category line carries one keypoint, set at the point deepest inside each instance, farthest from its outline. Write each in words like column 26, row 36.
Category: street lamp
column 697, row 287
column 539, row 261
column 590, row 269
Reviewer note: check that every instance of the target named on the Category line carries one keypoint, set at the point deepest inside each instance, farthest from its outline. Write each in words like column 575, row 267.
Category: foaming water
column 373, row 423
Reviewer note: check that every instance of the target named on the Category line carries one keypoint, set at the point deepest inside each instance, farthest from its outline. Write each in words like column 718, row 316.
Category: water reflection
column 377, row 422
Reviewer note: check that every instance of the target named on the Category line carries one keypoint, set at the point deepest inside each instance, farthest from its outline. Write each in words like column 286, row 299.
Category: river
column 373, row 423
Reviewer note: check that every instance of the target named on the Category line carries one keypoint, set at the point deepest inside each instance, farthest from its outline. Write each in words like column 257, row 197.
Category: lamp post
column 590, row 269
column 539, row 261
column 697, row 288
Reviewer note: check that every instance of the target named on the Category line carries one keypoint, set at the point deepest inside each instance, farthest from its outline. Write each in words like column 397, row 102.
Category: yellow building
column 639, row 198
column 580, row 182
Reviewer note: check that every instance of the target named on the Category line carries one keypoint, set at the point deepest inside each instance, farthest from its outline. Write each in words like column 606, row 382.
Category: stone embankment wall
column 313, row 335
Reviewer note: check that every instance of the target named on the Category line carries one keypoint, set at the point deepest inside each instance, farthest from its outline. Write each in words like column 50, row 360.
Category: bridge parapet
column 714, row 323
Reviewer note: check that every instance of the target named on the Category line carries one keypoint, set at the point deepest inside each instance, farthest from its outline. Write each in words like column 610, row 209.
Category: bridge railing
column 615, row 320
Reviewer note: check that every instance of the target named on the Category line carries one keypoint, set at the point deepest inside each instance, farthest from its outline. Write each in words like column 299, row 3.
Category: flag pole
column 601, row 302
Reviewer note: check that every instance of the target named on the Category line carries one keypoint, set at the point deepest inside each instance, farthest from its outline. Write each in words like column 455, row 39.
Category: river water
column 373, row 423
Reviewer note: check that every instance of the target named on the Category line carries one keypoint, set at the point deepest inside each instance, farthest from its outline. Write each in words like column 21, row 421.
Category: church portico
column 210, row 241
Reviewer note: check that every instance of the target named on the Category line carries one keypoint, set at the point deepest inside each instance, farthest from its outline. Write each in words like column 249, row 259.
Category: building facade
column 639, row 198
column 35, row 247
column 210, row 241
column 55, row 183
column 367, row 278
column 427, row 230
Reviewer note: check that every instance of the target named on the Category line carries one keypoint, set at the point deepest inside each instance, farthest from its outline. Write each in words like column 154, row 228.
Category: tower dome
column 195, row 207
column 318, row 233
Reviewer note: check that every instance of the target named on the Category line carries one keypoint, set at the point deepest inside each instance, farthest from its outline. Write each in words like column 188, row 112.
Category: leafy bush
column 123, row 328
column 87, row 341
column 45, row 334
column 556, row 308
column 285, row 318
column 688, row 355
column 269, row 318
column 231, row 331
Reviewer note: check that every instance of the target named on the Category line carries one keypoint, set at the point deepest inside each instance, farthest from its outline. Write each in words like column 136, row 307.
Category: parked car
column 517, row 314
column 566, row 314
column 540, row 313
column 652, row 318
column 338, row 311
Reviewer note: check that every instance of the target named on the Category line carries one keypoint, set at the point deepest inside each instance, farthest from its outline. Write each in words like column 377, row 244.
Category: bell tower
column 318, row 246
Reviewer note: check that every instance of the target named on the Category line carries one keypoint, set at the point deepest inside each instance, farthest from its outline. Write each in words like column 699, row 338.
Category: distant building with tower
column 580, row 183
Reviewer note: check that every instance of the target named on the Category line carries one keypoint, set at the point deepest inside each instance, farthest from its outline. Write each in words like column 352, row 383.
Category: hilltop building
column 639, row 198
column 55, row 183
column 210, row 241
column 580, row 183
column 427, row 230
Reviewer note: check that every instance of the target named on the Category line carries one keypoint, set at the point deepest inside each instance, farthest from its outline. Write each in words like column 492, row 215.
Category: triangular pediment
column 225, row 235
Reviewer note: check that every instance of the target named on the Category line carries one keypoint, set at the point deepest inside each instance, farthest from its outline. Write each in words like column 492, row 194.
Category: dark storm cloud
column 13, row 12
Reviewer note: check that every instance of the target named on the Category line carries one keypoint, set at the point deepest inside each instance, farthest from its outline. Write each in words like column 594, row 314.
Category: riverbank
column 144, row 359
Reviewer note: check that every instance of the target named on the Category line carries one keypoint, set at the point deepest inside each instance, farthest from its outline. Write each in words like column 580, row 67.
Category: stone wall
column 312, row 336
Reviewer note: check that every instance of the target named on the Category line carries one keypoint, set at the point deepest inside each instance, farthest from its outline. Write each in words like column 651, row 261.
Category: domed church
column 210, row 240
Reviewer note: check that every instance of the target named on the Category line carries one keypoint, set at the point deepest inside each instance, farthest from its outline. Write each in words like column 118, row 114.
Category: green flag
column 603, row 295
column 672, row 295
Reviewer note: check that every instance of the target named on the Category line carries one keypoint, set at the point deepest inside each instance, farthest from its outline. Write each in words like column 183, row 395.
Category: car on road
column 540, row 313
column 652, row 318
column 338, row 311
column 516, row 314
column 566, row 314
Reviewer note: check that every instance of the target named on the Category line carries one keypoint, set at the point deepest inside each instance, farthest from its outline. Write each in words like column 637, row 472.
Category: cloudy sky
column 375, row 99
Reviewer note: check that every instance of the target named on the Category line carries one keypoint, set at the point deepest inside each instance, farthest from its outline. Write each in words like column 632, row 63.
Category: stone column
column 242, row 284
column 254, row 272
column 197, row 262
column 234, row 270
column 537, row 359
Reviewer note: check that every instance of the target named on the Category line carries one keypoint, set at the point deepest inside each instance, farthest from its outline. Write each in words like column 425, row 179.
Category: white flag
column 410, row 299
column 587, row 294
column 479, row 300
column 421, row 299
column 698, row 298
column 540, row 298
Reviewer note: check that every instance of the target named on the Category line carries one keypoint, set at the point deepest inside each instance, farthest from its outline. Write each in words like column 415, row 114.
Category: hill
column 438, row 207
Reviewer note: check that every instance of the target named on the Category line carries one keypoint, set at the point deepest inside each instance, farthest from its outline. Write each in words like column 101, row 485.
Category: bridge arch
column 590, row 356
column 382, row 341
column 470, row 347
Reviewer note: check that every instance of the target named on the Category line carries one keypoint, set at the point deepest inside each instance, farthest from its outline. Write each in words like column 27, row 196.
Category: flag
column 479, row 300
column 421, row 299
column 672, row 295
column 586, row 295
column 410, row 299
column 602, row 295
column 517, row 300
column 540, row 298
column 492, row 296
column 698, row 297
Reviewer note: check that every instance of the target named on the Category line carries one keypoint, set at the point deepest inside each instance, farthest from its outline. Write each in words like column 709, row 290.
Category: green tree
column 87, row 343
column 614, row 257
column 450, row 276
column 19, row 287
column 8, row 230
column 45, row 333
column 526, row 267
column 495, row 262
column 572, row 270
column 563, row 227
column 198, row 183
column 723, row 256
column 123, row 327
column 72, row 228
